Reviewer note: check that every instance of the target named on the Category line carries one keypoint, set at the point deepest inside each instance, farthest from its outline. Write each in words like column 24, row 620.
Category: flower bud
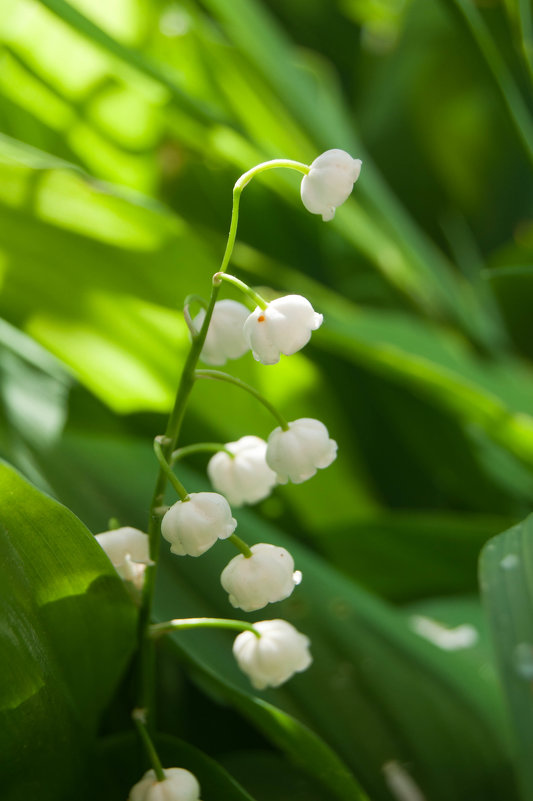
column 129, row 552
column 225, row 338
column 296, row 454
column 179, row 785
column 329, row 182
column 283, row 327
column 272, row 658
column 245, row 477
column 194, row 525
column 263, row 578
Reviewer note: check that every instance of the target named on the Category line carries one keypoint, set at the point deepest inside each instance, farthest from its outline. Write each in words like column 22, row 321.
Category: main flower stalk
column 168, row 444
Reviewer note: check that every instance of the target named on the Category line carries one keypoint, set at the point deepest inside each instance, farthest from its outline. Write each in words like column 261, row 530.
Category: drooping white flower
column 179, row 785
column 272, row 658
column 245, row 477
column 296, row 454
column 263, row 578
column 129, row 552
column 194, row 525
column 283, row 327
column 225, row 338
column 329, row 182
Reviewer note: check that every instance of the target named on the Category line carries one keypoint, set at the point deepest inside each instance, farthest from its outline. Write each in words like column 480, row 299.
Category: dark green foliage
column 123, row 128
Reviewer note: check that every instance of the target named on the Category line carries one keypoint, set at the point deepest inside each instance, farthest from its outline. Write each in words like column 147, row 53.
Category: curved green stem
column 241, row 182
column 199, row 447
column 186, row 383
column 218, row 375
column 139, row 718
column 165, row 467
column 247, row 290
column 241, row 546
column 271, row 165
column 158, row 629
column 195, row 299
column 194, row 332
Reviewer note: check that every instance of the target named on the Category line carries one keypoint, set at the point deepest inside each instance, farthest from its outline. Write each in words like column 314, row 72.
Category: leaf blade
column 506, row 575
column 67, row 632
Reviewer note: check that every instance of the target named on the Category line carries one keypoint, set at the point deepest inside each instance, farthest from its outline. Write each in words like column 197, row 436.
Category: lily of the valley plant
column 269, row 652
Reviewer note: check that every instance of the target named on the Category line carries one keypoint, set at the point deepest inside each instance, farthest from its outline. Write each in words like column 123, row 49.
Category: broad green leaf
column 270, row 776
column 307, row 750
column 68, row 630
column 457, row 625
column 121, row 252
column 406, row 555
column 132, row 57
column 507, row 586
column 34, row 388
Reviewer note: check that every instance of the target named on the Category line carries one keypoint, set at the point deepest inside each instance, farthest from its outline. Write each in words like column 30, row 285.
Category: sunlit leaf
column 68, row 630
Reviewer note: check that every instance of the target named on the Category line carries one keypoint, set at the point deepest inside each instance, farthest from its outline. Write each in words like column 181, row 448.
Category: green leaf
column 506, row 573
column 134, row 58
column 121, row 251
column 302, row 745
column 68, row 630
column 405, row 555
column 271, row 777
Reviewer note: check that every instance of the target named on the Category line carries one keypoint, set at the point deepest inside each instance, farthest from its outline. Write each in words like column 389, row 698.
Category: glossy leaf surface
column 68, row 630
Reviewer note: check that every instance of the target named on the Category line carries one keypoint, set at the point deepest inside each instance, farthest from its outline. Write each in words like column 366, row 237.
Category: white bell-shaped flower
column 285, row 326
column 129, row 552
column 263, row 578
column 296, row 454
column 329, row 182
column 194, row 525
column 244, row 477
column 225, row 337
column 179, row 785
column 272, row 658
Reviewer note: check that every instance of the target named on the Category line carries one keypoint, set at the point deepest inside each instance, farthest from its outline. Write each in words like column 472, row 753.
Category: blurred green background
column 123, row 126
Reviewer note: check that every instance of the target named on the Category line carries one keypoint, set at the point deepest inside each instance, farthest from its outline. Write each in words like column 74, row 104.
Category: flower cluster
column 245, row 471
column 242, row 472
column 284, row 325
